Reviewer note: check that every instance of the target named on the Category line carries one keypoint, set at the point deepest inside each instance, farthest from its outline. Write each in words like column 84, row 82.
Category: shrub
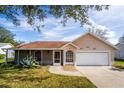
column 118, row 59
column 10, row 59
column 28, row 62
column 7, row 65
column 2, row 56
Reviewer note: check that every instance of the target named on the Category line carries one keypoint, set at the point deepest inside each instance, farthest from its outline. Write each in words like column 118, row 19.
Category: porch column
column 41, row 57
column 60, row 58
column 18, row 57
column 6, row 55
column 53, row 57
column 29, row 52
column 34, row 54
column 64, row 57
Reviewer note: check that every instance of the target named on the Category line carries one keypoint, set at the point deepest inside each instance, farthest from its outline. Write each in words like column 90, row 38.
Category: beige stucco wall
column 89, row 42
column 67, row 48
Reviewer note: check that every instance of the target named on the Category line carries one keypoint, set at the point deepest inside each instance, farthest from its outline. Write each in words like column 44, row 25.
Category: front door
column 57, row 57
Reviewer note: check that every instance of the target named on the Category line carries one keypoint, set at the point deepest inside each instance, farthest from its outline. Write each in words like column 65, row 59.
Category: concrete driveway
column 103, row 77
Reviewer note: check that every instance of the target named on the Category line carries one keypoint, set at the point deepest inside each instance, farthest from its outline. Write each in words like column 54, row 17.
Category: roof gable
column 103, row 41
column 69, row 44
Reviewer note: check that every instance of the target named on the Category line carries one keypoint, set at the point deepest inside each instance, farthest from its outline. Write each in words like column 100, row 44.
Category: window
column 69, row 56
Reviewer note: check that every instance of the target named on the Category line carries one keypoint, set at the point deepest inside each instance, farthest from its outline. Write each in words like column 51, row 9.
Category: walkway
column 59, row 70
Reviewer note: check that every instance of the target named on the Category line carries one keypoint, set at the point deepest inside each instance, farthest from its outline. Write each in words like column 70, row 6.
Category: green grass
column 11, row 77
column 9, row 60
column 119, row 64
column 2, row 60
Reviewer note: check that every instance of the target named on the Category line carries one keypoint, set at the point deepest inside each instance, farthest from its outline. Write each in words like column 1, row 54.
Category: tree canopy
column 40, row 12
column 121, row 39
column 8, row 37
column 102, row 33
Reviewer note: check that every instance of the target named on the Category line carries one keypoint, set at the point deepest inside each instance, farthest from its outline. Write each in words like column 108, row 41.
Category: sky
column 111, row 20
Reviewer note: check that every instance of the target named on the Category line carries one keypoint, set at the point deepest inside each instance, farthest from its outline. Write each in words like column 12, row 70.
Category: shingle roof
column 43, row 44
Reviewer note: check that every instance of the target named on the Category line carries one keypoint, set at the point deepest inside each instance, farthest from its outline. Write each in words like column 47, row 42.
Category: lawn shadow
column 117, row 69
column 4, row 86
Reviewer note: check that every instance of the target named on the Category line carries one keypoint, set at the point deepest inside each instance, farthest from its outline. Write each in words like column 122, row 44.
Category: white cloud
column 24, row 26
column 113, row 40
column 70, row 38
column 95, row 25
column 58, row 31
column 110, row 34
column 21, row 39
column 114, row 13
column 50, row 34
column 112, row 37
column 51, row 20
column 6, row 22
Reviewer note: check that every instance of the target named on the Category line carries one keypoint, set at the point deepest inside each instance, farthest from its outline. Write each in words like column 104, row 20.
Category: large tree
column 8, row 37
column 32, row 13
column 102, row 33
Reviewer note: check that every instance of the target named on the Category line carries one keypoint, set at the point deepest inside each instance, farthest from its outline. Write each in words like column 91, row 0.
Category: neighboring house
column 6, row 46
column 85, row 50
column 120, row 53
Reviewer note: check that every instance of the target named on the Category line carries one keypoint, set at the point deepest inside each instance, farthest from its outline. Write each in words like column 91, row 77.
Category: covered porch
column 43, row 57
column 47, row 57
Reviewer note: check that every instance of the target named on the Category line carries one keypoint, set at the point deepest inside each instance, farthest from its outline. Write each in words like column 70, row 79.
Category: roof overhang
column 8, row 44
column 37, row 49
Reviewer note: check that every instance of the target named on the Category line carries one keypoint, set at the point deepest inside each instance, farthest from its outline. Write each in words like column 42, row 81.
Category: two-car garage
column 94, row 51
column 90, row 58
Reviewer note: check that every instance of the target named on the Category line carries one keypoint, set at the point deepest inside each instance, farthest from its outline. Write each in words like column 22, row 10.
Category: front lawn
column 9, row 60
column 119, row 64
column 12, row 77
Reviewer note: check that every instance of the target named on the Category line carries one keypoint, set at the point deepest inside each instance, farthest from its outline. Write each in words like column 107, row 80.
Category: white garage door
column 92, row 58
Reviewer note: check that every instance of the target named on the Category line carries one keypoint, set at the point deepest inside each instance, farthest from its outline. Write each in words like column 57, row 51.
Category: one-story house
column 88, row 49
